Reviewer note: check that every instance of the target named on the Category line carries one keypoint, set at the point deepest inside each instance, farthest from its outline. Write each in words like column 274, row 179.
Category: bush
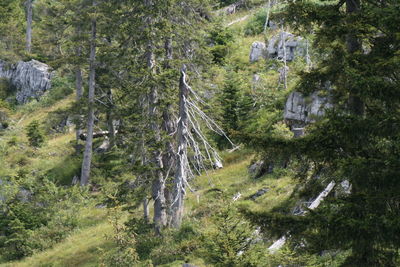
column 35, row 134
column 228, row 242
column 256, row 24
column 220, row 39
column 37, row 218
column 60, row 88
column 124, row 254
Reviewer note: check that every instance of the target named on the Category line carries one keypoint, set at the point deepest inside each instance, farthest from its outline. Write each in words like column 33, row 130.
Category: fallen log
column 281, row 241
column 83, row 136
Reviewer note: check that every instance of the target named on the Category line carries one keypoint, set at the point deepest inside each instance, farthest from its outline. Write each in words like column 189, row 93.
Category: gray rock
column 256, row 78
column 292, row 44
column 258, row 50
column 259, row 193
column 188, row 265
column 259, row 168
column 304, row 110
column 31, row 79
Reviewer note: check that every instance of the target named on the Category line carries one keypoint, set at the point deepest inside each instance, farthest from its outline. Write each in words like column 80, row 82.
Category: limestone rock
column 31, row 79
column 304, row 110
column 259, row 168
column 292, row 44
column 259, row 193
column 258, row 50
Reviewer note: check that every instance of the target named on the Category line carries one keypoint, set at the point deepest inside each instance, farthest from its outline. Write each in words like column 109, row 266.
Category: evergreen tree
column 357, row 141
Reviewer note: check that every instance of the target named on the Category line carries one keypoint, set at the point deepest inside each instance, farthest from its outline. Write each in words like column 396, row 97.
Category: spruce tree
column 357, row 141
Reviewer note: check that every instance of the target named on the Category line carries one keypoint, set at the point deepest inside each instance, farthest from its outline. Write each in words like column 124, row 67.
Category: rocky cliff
column 302, row 110
column 31, row 79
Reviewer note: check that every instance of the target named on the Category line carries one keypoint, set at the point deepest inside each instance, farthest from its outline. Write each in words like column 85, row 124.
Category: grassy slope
column 83, row 247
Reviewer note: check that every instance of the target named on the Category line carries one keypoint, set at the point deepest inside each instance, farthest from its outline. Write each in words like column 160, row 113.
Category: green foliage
column 124, row 254
column 229, row 242
column 354, row 142
column 255, row 26
column 36, row 216
column 220, row 38
column 35, row 134
column 60, row 88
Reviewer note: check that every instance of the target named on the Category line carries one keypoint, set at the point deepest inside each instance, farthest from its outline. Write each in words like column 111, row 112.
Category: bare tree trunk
column 182, row 161
column 146, row 210
column 281, row 241
column 29, row 7
column 87, row 155
column 267, row 18
column 78, row 80
column 169, row 128
column 285, row 67
column 158, row 186
column 110, row 120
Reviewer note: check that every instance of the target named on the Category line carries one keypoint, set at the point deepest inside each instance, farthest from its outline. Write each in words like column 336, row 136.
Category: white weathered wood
column 87, row 155
column 278, row 244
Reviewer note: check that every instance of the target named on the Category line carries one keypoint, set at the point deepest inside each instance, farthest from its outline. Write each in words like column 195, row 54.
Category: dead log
column 281, row 241
column 83, row 136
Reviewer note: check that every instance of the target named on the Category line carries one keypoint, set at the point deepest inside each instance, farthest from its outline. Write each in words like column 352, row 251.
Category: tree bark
column 78, row 80
column 181, row 161
column 158, row 183
column 281, row 241
column 29, row 9
column 169, row 128
column 110, row 120
column 146, row 210
column 87, row 155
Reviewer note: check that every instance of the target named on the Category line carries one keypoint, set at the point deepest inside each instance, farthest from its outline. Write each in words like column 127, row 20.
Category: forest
column 194, row 133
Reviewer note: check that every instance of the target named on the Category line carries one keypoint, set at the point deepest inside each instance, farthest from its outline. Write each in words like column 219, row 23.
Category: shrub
column 228, row 242
column 38, row 220
column 35, row 134
column 124, row 254
column 220, row 39
column 256, row 24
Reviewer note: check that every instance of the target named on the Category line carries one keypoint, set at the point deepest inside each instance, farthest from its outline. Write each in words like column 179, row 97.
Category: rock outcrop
column 258, row 50
column 303, row 110
column 285, row 41
column 31, row 79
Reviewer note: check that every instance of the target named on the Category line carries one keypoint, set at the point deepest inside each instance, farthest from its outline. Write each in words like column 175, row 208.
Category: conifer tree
column 357, row 140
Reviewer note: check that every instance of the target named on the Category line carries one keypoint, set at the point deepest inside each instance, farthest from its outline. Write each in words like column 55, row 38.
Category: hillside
column 199, row 133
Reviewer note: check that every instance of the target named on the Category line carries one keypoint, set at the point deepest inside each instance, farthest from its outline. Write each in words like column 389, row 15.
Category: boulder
column 303, row 110
column 31, row 79
column 258, row 50
column 292, row 44
column 259, row 168
column 259, row 193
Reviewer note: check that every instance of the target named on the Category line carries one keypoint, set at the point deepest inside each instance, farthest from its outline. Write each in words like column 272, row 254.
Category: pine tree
column 357, row 140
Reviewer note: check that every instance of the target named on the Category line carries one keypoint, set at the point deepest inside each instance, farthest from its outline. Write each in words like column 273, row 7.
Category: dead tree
column 87, row 155
column 29, row 9
column 182, row 160
column 190, row 115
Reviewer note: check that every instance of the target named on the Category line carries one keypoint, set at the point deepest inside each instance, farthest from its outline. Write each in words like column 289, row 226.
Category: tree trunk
column 78, row 80
column 281, row 241
column 146, row 210
column 158, row 183
column 181, row 161
column 267, row 18
column 87, row 155
column 29, row 7
column 169, row 128
column 110, row 120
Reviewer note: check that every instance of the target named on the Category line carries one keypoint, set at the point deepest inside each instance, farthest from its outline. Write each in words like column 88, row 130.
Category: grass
column 81, row 248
